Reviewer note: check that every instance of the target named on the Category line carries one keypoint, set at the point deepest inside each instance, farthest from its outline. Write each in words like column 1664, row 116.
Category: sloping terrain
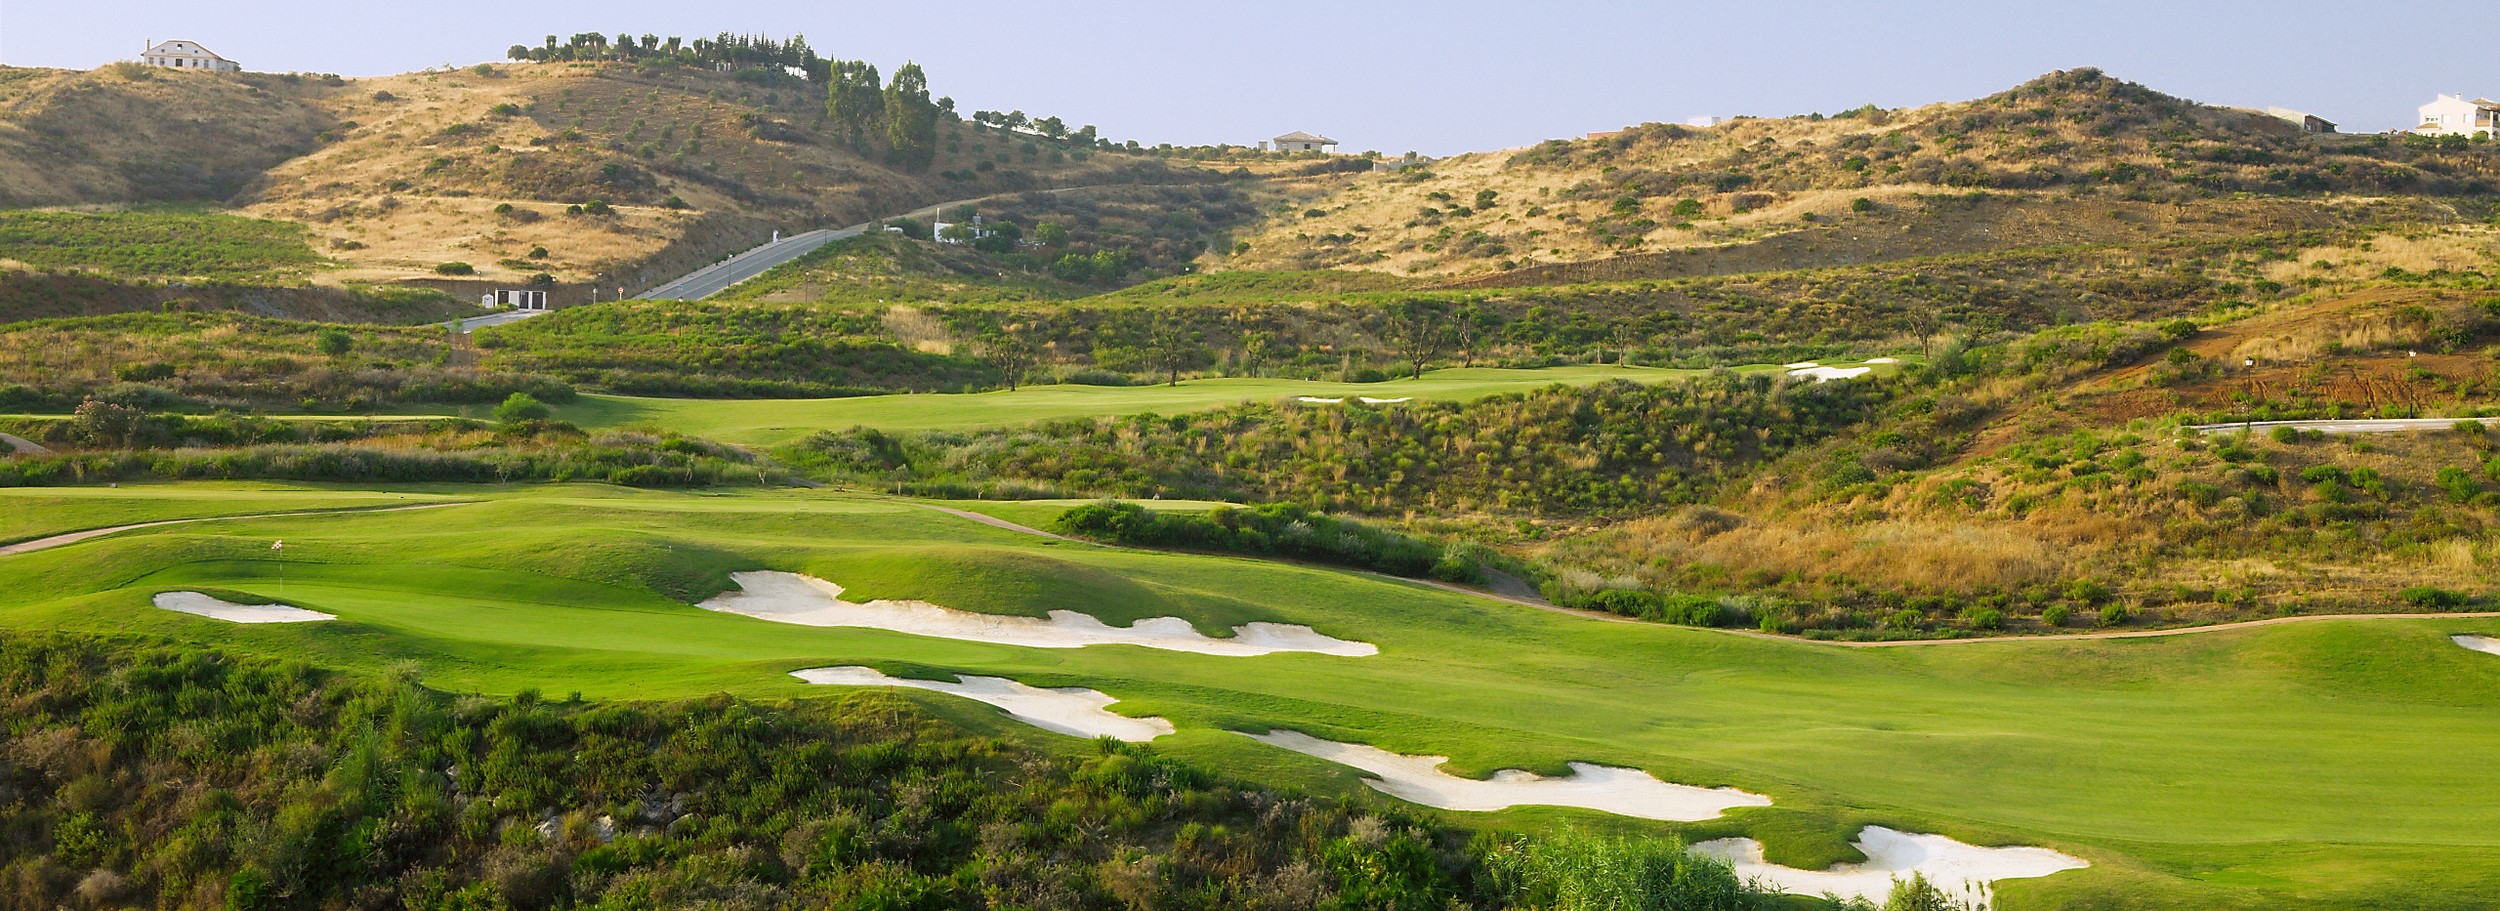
column 2074, row 157
column 128, row 133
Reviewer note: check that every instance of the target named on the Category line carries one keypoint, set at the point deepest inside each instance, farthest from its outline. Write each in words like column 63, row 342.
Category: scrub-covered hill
column 2074, row 157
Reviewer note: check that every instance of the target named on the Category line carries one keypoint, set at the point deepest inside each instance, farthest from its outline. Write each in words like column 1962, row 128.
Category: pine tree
column 910, row 120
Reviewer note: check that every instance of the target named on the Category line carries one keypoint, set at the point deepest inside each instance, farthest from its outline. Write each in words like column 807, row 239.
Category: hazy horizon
column 1398, row 76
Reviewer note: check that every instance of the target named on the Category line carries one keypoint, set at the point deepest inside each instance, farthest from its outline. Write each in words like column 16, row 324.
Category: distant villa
column 187, row 55
column 1298, row 141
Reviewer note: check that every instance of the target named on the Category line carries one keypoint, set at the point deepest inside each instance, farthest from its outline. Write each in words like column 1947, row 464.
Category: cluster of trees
column 899, row 117
column 181, row 777
column 1614, row 449
column 739, row 51
column 1051, row 128
column 1283, row 529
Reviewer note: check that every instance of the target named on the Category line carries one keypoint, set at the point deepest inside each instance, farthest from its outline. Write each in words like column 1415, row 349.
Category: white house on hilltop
column 187, row 55
column 2452, row 115
column 1298, row 141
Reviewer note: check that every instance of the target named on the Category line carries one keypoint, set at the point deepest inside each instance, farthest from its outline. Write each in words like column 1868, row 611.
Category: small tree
column 1012, row 350
column 1471, row 328
column 1255, row 346
column 333, row 342
column 520, row 407
column 1172, row 346
column 1050, row 234
column 1418, row 330
column 109, row 424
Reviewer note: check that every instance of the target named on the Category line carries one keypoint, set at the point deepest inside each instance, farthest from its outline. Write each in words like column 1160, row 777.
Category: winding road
column 718, row 277
column 2366, row 425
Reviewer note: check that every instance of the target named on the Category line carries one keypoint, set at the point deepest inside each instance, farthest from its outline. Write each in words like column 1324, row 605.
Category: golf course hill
column 568, row 175
column 2073, row 159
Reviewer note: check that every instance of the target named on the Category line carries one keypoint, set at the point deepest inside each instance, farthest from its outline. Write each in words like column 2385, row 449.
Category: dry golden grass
column 2459, row 248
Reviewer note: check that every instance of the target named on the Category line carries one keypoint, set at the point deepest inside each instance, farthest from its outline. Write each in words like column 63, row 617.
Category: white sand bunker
column 1627, row 792
column 1074, row 711
column 216, row 609
column 1956, row 868
column 1828, row 374
column 1316, row 400
column 809, row 601
column 1400, row 400
column 2485, row 644
column 1883, row 360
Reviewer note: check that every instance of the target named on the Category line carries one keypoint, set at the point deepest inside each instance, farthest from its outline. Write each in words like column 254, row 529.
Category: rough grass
column 2189, row 769
column 159, row 244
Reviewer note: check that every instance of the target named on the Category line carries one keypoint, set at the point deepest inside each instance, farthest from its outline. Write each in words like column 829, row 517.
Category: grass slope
column 2328, row 764
column 768, row 421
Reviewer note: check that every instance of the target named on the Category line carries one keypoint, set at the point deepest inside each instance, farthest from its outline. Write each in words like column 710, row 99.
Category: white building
column 187, row 55
column 2308, row 122
column 1298, row 141
column 2452, row 115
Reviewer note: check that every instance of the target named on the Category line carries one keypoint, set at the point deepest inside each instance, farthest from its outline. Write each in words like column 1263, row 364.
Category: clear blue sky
column 1437, row 77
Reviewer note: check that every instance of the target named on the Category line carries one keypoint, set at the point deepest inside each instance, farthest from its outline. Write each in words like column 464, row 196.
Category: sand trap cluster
column 1956, row 868
column 2478, row 643
column 1074, row 711
column 808, row 601
column 1822, row 374
column 217, row 609
column 1628, row 792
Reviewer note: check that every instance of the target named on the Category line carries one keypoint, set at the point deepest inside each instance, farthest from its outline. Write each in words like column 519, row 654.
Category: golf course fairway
column 2314, row 765
column 773, row 421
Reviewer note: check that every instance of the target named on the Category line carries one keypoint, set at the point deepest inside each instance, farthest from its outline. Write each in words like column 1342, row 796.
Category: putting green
column 2319, row 765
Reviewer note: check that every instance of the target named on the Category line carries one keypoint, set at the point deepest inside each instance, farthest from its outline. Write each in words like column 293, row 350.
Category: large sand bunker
column 1628, row 792
column 1074, row 711
column 1956, row 868
column 1821, row 374
column 217, row 609
column 2478, row 643
column 809, row 601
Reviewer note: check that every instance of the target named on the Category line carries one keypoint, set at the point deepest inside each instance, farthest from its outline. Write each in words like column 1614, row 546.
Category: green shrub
column 520, row 407
column 2432, row 598
column 454, row 268
column 2055, row 615
column 2284, row 433
column 2114, row 615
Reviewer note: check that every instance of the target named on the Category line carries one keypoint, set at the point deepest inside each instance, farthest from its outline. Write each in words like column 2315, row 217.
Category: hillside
column 127, row 133
column 2072, row 158
column 570, row 175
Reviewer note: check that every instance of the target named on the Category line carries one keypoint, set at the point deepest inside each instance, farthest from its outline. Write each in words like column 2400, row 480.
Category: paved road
column 474, row 323
column 2375, row 425
column 717, row 277
column 22, row 445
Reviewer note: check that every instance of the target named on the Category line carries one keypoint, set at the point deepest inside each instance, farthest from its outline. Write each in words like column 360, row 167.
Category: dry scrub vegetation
column 2090, row 159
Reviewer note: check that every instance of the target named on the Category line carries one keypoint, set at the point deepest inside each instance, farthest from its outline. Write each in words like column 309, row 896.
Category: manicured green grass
column 42, row 512
column 2321, row 765
column 771, row 421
